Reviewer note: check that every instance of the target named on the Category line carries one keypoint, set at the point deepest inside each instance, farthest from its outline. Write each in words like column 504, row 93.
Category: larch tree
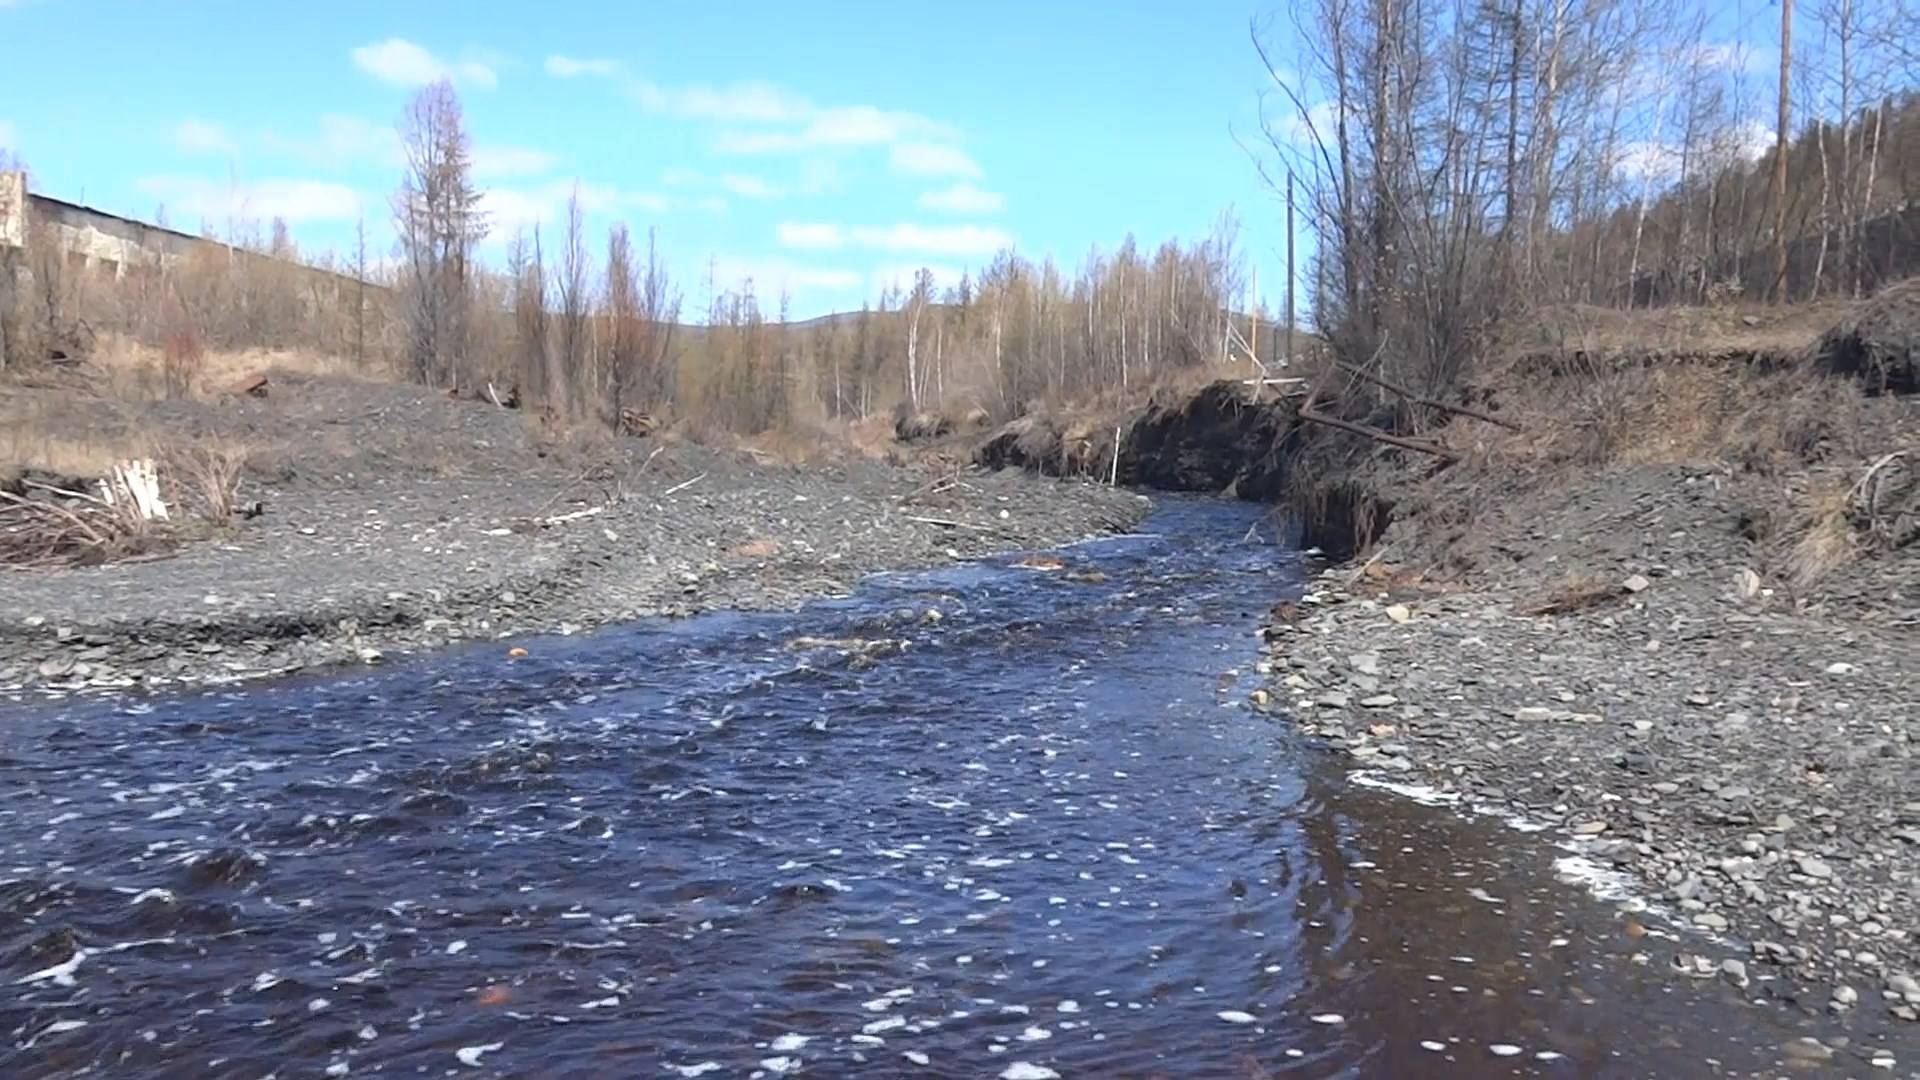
column 438, row 218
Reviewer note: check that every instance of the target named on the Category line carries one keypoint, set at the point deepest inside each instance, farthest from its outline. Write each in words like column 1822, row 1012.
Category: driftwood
column 1309, row 412
column 683, row 485
column 949, row 523
column 1419, row 399
column 47, row 533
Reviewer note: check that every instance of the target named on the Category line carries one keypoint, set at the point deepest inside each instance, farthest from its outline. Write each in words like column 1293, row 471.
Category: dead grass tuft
column 207, row 476
column 1822, row 540
column 182, row 358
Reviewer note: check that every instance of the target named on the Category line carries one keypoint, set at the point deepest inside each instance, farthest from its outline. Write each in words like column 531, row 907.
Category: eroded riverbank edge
column 363, row 576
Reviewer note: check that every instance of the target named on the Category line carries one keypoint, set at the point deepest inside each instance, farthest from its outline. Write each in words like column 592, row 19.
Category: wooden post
column 1780, row 156
column 1253, row 325
column 1289, row 341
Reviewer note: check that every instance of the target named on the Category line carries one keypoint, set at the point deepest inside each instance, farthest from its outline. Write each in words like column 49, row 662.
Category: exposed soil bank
column 1215, row 439
column 397, row 521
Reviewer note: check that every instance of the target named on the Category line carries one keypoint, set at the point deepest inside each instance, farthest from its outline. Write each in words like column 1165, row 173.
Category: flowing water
column 986, row 821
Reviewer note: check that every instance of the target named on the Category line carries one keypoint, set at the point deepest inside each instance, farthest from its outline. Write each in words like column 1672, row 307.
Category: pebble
column 1807, row 1049
column 1813, row 867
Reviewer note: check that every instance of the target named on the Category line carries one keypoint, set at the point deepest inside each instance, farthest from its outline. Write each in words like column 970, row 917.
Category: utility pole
column 1289, row 344
column 1780, row 157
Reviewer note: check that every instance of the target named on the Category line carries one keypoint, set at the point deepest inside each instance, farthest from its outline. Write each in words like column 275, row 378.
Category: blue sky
column 824, row 147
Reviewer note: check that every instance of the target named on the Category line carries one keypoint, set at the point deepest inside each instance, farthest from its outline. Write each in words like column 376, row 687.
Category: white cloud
column 923, row 239
column 934, row 239
column 808, row 126
column 291, row 199
column 1321, row 120
column 814, row 176
column 1644, row 159
column 574, row 67
column 796, row 234
column 746, row 102
column 8, row 136
column 963, row 198
column 508, row 209
column 201, row 137
column 1752, row 139
column 400, row 62
column 932, row 159
column 341, row 141
column 510, row 161
column 1738, row 57
column 770, row 276
column 751, row 187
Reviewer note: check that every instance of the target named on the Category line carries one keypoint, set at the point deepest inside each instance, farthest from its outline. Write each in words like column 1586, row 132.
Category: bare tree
column 916, row 309
column 1781, row 133
column 534, row 378
column 438, row 217
column 575, row 389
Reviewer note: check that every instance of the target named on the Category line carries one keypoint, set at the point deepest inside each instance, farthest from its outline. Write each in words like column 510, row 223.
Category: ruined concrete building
column 91, row 239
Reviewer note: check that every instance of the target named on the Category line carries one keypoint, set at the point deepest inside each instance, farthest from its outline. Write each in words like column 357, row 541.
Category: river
column 990, row 820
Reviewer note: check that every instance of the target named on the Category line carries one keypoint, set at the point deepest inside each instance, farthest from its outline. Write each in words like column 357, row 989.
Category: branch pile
column 43, row 525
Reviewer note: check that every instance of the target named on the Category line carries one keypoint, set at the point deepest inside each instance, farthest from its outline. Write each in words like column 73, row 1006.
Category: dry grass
column 132, row 371
column 40, row 434
column 1687, row 414
column 1793, row 442
column 1606, row 334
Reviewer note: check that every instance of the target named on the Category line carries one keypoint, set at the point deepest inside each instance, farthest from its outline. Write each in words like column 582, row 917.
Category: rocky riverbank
column 396, row 521
column 1742, row 763
column 348, row 579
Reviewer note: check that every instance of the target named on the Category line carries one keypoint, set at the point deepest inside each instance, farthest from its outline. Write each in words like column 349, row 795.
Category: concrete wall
column 108, row 243
column 13, row 214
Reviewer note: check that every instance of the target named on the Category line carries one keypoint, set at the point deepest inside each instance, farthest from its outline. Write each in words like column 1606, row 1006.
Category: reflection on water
column 989, row 821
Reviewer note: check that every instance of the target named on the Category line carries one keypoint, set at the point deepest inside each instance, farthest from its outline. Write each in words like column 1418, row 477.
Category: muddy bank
column 1218, row 438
